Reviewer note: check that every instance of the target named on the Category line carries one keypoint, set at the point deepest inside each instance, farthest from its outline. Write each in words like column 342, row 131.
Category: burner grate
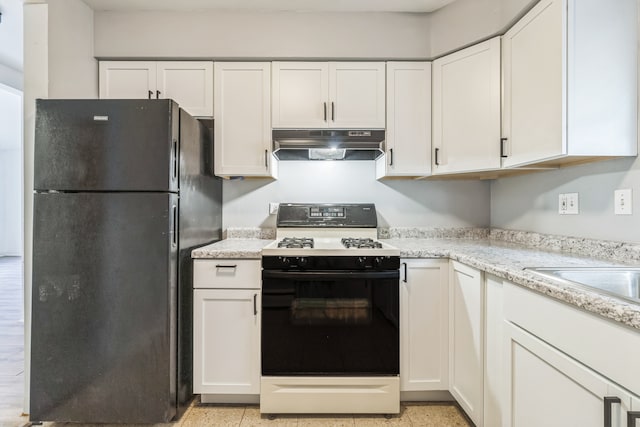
column 360, row 243
column 296, row 243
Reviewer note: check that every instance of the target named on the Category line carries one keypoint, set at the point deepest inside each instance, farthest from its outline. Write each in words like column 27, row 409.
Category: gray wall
column 465, row 22
column 399, row 202
column 530, row 202
column 233, row 35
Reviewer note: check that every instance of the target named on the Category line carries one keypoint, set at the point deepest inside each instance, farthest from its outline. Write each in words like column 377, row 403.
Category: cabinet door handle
column 502, row 150
column 150, row 94
column 266, row 159
column 608, row 402
column 404, row 265
column 333, row 112
column 437, row 161
column 226, row 266
column 255, row 304
column 157, row 94
column 325, row 110
column 390, row 156
column 632, row 416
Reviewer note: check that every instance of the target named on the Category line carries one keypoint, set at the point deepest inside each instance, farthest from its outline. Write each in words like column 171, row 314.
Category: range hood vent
column 328, row 144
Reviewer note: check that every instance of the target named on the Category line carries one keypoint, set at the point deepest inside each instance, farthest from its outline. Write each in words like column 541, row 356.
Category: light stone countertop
column 502, row 259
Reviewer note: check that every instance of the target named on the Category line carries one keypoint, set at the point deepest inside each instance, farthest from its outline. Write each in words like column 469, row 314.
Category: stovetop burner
column 366, row 243
column 296, row 242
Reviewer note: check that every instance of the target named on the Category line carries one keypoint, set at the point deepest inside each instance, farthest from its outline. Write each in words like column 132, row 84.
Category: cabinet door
column 534, row 61
column 226, row 344
column 466, row 349
column 424, row 325
column 357, row 94
column 242, row 105
column 548, row 388
column 189, row 83
column 127, row 79
column 466, row 109
column 300, row 94
column 408, row 136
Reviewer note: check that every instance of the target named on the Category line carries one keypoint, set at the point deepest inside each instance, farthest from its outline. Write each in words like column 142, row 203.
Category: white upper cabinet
column 328, row 94
column 570, row 82
column 242, row 104
column 466, row 109
column 189, row 83
column 408, row 137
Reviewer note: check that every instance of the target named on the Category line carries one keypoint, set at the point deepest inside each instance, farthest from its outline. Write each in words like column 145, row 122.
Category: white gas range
column 330, row 313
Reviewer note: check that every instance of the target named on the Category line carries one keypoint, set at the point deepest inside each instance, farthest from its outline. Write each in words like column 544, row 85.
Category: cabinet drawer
column 227, row 273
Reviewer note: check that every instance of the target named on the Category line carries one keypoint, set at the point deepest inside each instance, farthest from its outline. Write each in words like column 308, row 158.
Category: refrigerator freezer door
column 104, row 304
column 106, row 145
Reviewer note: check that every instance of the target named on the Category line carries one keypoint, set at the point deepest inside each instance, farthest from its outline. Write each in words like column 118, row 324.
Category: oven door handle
column 330, row 275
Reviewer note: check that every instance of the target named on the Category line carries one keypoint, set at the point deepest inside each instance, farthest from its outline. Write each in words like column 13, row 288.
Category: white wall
column 399, row 202
column 11, row 43
column 73, row 71
column 232, row 35
column 10, row 172
column 465, row 22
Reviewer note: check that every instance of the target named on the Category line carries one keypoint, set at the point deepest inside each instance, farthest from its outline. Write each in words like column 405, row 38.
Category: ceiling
column 415, row 6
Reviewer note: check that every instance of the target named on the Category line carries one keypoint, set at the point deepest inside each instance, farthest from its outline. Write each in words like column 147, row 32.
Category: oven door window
column 343, row 325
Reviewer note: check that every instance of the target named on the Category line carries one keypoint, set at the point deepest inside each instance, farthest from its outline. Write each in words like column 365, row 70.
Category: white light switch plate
column 273, row 208
column 573, row 204
column 562, row 204
column 623, row 202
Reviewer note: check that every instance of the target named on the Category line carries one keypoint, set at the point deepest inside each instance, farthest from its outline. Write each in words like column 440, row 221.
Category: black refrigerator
column 123, row 191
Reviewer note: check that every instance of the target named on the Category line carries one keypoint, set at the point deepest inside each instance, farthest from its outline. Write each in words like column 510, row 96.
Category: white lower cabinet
column 424, row 325
column 549, row 388
column 226, row 329
column 466, row 339
column 493, row 352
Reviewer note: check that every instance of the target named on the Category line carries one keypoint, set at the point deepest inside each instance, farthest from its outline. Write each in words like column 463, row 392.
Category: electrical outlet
column 623, row 202
column 273, row 208
column 562, row 204
column 573, row 204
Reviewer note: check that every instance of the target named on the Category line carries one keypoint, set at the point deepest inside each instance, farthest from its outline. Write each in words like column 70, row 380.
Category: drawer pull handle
column 608, row 402
column 226, row 266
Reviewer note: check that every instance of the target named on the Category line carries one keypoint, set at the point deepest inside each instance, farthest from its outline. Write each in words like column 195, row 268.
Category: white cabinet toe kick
column 336, row 395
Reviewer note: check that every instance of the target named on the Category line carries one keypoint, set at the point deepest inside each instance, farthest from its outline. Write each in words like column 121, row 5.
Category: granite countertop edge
column 501, row 259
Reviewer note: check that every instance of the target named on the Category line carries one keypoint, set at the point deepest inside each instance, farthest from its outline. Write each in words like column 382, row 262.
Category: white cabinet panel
column 190, row 84
column 494, row 395
column 242, row 104
column 127, row 80
column 300, row 94
column 570, row 82
column 466, row 349
column 408, row 137
column 547, row 387
column 466, row 109
column 357, row 94
column 424, row 325
column 328, row 94
column 226, row 341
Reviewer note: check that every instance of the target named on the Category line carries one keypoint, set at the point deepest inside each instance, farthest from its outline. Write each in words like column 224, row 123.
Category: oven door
column 337, row 323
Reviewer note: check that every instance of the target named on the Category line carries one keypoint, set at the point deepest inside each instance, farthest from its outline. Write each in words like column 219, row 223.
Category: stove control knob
column 303, row 261
column 361, row 262
column 377, row 262
column 285, row 261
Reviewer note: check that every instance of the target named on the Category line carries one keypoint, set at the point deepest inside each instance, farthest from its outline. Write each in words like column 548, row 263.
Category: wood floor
column 11, row 343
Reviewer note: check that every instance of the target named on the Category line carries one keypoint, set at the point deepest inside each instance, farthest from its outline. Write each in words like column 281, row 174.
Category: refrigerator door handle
column 174, row 239
column 174, row 154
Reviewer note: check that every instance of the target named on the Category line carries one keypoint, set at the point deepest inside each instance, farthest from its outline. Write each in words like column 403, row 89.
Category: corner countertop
column 503, row 259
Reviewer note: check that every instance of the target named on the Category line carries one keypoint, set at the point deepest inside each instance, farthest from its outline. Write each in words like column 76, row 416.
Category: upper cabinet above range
column 344, row 95
column 570, row 83
column 189, row 83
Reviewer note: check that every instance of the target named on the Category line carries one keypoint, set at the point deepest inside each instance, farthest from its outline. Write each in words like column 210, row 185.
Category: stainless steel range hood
column 328, row 144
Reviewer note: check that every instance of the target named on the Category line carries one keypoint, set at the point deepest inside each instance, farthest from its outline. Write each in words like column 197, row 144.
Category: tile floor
column 411, row 414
